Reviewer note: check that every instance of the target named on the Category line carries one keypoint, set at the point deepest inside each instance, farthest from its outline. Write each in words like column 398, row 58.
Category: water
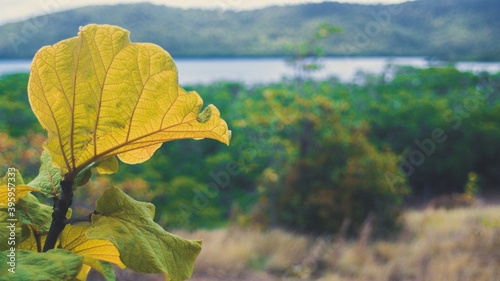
column 265, row 70
column 13, row 66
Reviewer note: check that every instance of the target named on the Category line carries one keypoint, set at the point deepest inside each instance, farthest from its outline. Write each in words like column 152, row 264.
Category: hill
column 455, row 30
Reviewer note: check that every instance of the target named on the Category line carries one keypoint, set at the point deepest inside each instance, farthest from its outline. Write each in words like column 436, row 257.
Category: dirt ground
column 245, row 277
column 128, row 275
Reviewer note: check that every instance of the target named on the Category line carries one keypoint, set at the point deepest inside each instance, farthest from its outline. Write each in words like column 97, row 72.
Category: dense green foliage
column 319, row 167
column 458, row 30
column 306, row 155
column 15, row 113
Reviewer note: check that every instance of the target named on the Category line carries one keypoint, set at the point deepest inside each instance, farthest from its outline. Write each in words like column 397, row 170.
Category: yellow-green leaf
column 100, row 95
column 69, row 213
column 144, row 246
column 20, row 189
column 30, row 215
column 56, row 264
column 84, row 176
column 108, row 165
column 21, row 233
column 73, row 239
column 104, row 268
column 31, row 243
column 29, row 233
column 31, row 211
column 84, row 272
column 49, row 177
column 18, row 179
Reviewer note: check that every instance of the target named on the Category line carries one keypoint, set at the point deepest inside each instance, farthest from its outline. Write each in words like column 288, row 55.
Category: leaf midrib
column 109, row 151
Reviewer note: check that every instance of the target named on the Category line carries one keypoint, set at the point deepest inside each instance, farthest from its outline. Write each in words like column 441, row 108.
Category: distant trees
column 308, row 157
column 324, row 167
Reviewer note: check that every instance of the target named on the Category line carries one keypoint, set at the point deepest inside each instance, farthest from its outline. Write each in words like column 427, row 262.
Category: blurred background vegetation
column 305, row 155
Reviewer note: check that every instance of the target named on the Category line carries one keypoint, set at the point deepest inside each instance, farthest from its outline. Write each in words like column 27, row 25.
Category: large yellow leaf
column 100, row 95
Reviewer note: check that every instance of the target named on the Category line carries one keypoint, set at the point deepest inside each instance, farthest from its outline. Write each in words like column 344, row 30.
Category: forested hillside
column 455, row 30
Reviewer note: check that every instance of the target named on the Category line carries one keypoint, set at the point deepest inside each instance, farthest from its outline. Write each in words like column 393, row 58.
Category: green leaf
column 18, row 179
column 5, row 232
column 103, row 267
column 108, row 165
column 31, row 243
column 73, row 239
column 58, row 264
column 84, row 176
column 144, row 246
column 32, row 212
column 107, row 271
column 49, row 177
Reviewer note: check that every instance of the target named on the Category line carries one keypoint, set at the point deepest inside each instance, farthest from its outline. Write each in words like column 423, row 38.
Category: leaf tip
column 229, row 136
column 199, row 242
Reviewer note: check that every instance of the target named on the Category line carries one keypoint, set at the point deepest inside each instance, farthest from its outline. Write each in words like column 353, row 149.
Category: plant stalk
column 37, row 239
column 59, row 214
column 87, row 218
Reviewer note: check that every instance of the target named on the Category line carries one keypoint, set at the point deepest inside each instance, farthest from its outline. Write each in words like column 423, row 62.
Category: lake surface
column 265, row 70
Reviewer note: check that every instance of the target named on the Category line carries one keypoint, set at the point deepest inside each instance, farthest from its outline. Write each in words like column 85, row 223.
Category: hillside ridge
column 454, row 30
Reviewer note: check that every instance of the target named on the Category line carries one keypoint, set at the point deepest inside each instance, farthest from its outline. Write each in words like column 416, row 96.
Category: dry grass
column 234, row 252
column 459, row 244
column 445, row 245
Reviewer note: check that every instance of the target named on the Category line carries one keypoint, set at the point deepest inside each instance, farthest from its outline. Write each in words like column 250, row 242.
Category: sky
column 14, row 10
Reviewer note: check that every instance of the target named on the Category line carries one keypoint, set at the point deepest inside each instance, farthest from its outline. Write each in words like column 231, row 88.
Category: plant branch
column 61, row 206
column 87, row 218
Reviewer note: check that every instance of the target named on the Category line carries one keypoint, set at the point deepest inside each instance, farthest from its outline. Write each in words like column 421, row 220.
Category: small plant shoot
column 101, row 99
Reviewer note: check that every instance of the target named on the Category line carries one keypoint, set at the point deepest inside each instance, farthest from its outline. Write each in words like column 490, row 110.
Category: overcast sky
column 13, row 10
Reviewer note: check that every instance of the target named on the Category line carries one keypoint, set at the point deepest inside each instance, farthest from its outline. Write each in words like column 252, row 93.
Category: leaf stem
column 87, row 218
column 61, row 206
column 38, row 241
